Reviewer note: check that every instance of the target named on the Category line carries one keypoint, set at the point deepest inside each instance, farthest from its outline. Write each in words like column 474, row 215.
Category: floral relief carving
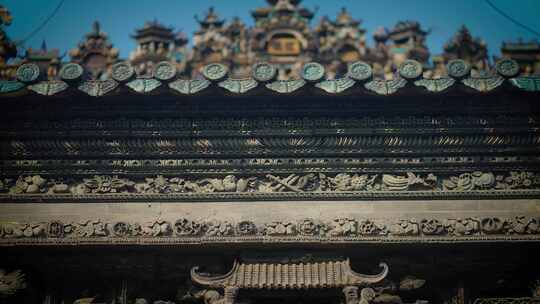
column 30, row 184
column 470, row 181
column 348, row 182
column 106, row 184
column 337, row 228
column 432, row 227
column 91, row 228
column 308, row 227
column 216, row 228
column 246, row 228
column 152, row 229
column 401, row 183
column 121, row 229
column 404, row 227
column 369, row 227
column 523, row 225
column 343, row 227
column 468, row 226
column 517, row 180
column 492, row 225
column 279, row 229
column 186, row 227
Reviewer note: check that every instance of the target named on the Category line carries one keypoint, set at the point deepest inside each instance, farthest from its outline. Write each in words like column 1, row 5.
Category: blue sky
column 119, row 18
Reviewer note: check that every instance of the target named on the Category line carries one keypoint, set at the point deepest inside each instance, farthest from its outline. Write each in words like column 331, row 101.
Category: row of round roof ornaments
column 313, row 73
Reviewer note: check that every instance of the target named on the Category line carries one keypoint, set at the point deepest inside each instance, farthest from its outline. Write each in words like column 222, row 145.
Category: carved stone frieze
column 428, row 184
column 361, row 229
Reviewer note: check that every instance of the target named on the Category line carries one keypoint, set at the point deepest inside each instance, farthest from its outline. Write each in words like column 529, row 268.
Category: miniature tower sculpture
column 96, row 53
column 156, row 43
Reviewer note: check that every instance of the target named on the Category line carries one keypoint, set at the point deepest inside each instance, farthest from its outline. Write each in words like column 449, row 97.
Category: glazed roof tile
column 359, row 80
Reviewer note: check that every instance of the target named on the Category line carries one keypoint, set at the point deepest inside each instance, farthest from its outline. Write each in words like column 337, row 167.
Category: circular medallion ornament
column 164, row 70
column 312, row 71
column 71, row 72
column 263, row 72
column 367, row 294
column 122, row 71
column 410, row 69
column 121, row 229
column 28, row 72
column 458, row 68
column 215, row 71
column 55, row 229
column 360, row 71
column 507, row 68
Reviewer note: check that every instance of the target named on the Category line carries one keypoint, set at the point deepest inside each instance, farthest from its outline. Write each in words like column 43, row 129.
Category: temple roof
column 463, row 44
column 329, row 274
column 210, row 20
column 153, row 28
column 345, row 19
column 520, row 45
column 282, row 6
column 42, row 53
column 408, row 25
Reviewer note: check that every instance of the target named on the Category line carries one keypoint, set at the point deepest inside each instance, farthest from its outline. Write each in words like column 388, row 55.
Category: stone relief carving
column 186, row 227
column 246, row 228
column 291, row 183
column 404, row 227
column 279, row 229
column 11, row 282
column 30, row 184
column 105, row 184
column 342, row 227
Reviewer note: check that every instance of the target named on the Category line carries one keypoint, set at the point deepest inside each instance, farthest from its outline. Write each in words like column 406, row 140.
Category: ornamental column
column 351, row 294
column 230, row 294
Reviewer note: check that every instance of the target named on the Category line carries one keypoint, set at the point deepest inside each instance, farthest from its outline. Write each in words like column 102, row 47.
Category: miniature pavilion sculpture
column 340, row 42
column 157, row 43
column 527, row 54
column 463, row 46
column 283, row 35
column 291, row 276
column 96, row 53
column 48, row 60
